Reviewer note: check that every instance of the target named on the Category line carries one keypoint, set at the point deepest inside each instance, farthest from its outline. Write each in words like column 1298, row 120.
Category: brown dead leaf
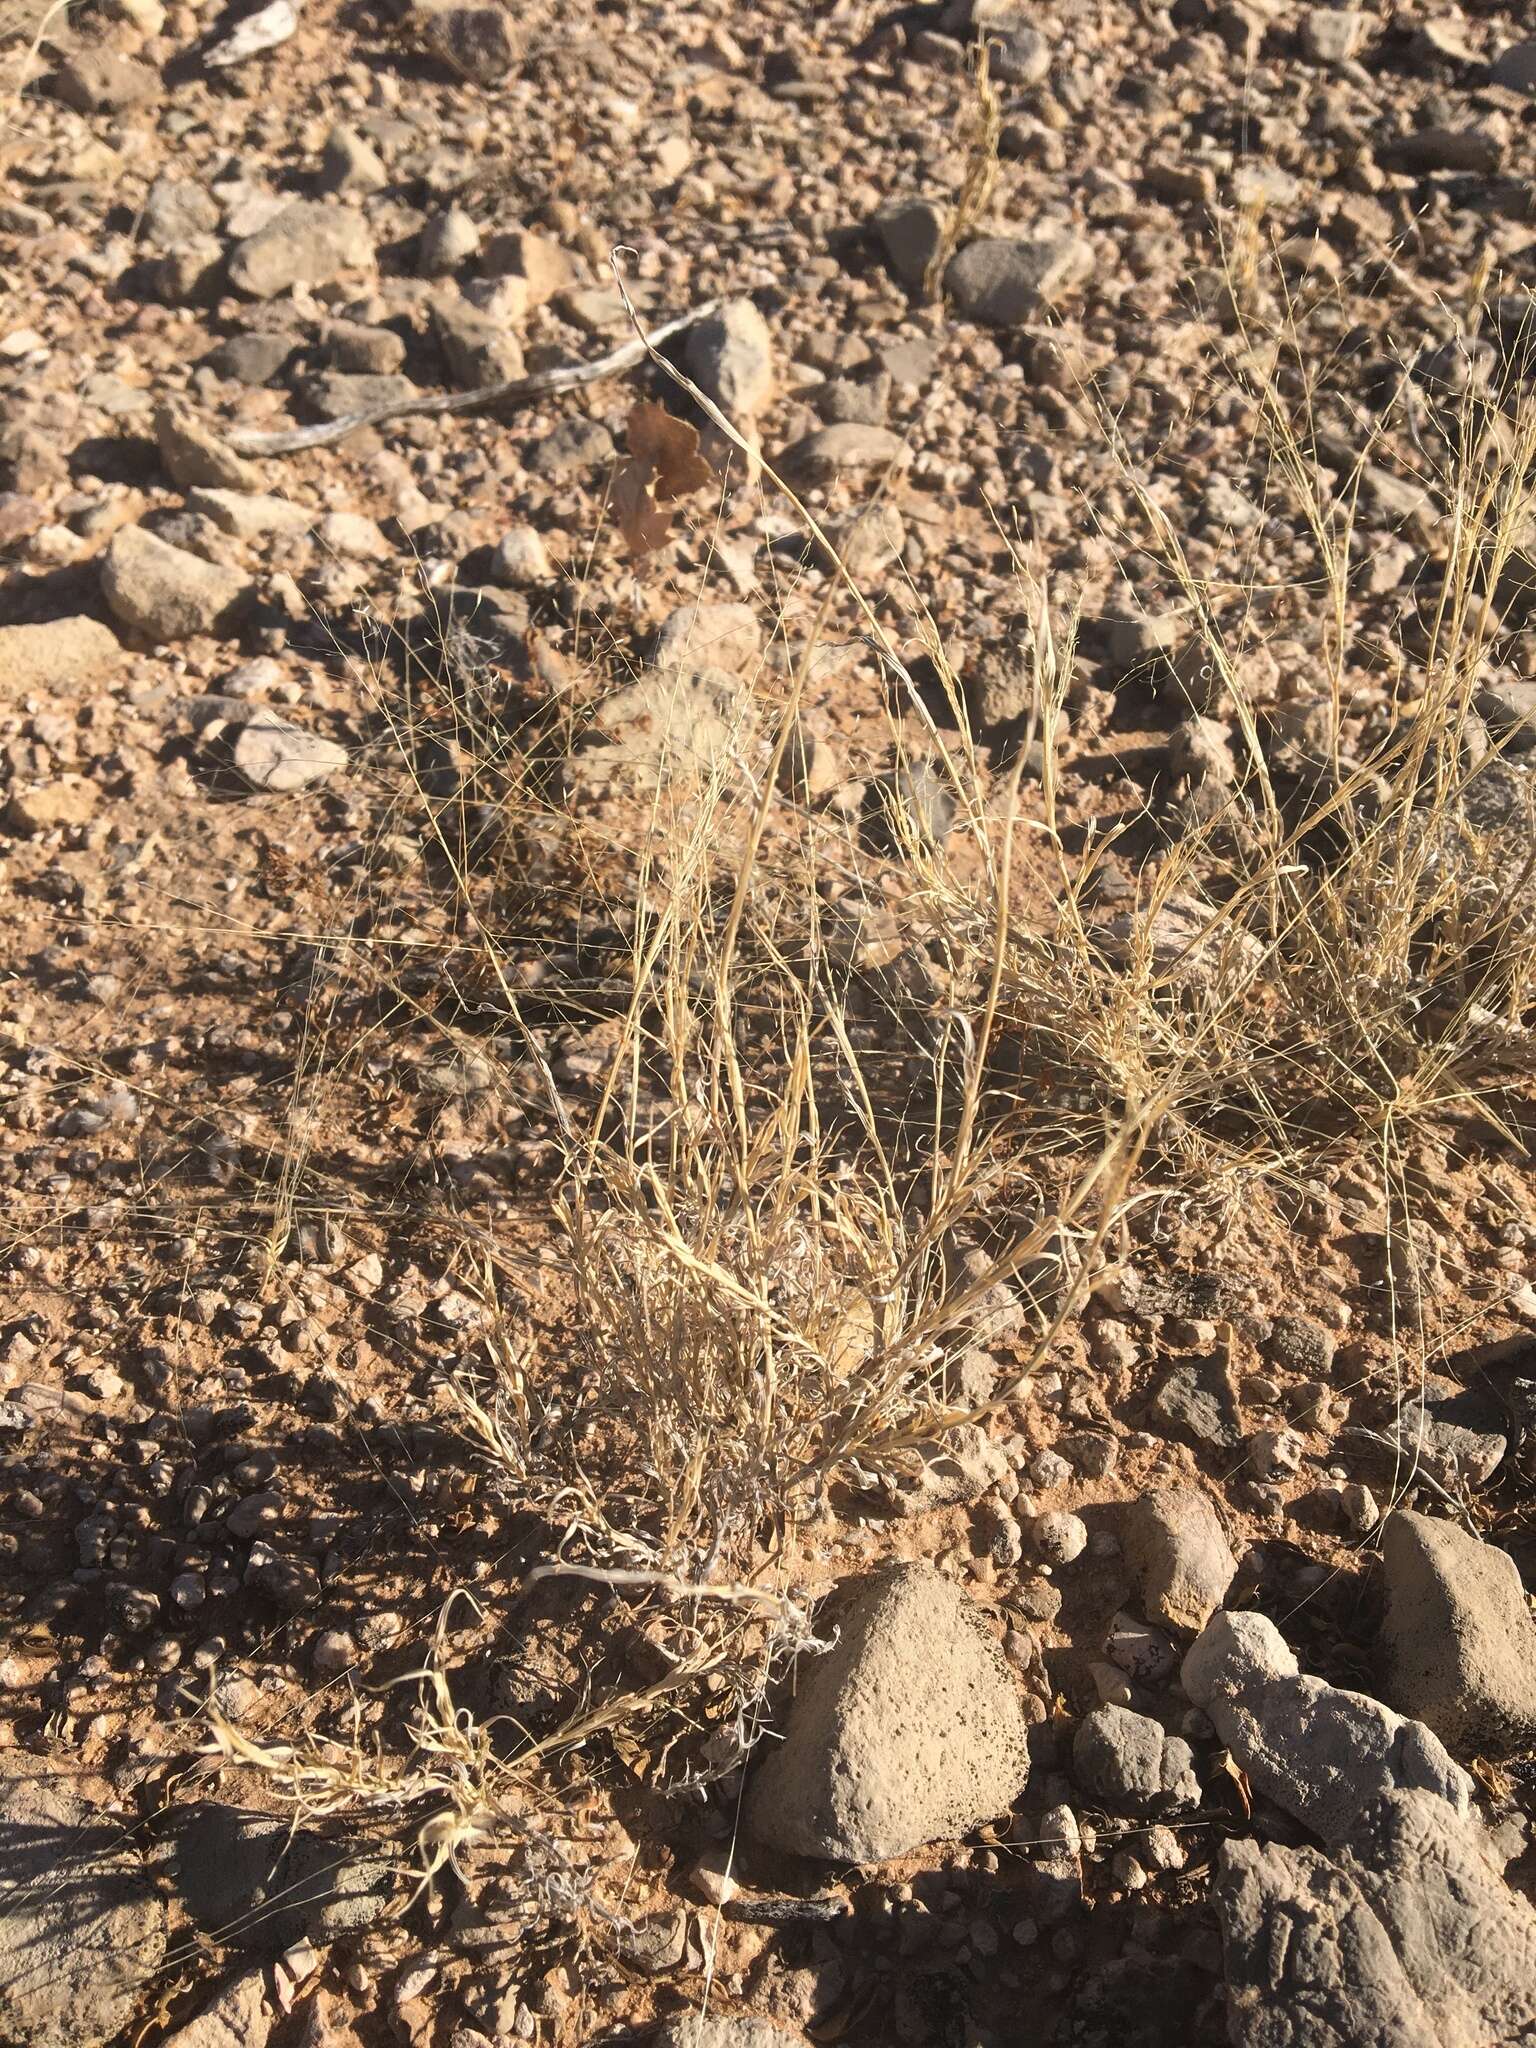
column 1230, row 1768
column 671, row 447
column 644, row 525
column 664, row 464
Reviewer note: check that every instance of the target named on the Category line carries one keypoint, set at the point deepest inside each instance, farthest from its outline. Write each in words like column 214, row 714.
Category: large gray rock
column 1194, row 1400
column 1507, row 706
column 910, row 234
column 1177, row 1549
column 177, row 209
column 1317, row 1750
column 335, row 394
column 1333, row 35
column 236, row 2017
column 1411, row 1939
column 478, row 346
column 1466, row 1939
column 194, row 454
column 1458, row 1641
column 1515, row 67
column 448, row 240
column 354, row 345
column 251, row 1882
column 910, row 1730
column 1308, row 1964
column 193, row 273
column 1129, row 1761
column 102, row 82
column 166, row 593
column 250, row 515
column 309, row 243
column 483, row 44
column 730, row 357
column 725, row 636
column 82, row 1930
column 61, row 655
column 1005, row 281
column 529, row 269
column 1451, row 1432
column 350, row 163
column 870, row 542
column 279, row 757
column 1020, row 54
column 848, row 449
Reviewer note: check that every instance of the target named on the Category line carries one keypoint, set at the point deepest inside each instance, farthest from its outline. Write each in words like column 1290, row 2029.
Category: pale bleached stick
column 515, row 391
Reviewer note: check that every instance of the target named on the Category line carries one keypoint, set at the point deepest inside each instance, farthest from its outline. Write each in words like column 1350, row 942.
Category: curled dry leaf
column 1228, row 1767
column 664, row 464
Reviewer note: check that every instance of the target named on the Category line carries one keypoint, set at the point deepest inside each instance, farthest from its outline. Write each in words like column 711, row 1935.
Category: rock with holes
column 909, row 1730
column 1005, row 281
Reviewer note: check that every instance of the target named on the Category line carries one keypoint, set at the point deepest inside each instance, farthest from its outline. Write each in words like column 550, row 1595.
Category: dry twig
column 515, row 391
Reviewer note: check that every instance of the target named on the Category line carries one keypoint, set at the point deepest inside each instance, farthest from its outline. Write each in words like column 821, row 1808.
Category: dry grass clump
column 841, row 1130
column 1332, row 948
column 770, row 1216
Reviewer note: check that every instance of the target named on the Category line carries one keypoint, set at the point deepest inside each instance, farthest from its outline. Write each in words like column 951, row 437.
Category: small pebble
column 1162, row 1849
column 332, row 1651
column 1048, row 1470
column 1059, row 1537
column 1273, row 1453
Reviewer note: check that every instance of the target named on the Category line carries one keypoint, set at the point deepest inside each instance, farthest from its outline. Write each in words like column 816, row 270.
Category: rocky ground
column 583, row 1456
